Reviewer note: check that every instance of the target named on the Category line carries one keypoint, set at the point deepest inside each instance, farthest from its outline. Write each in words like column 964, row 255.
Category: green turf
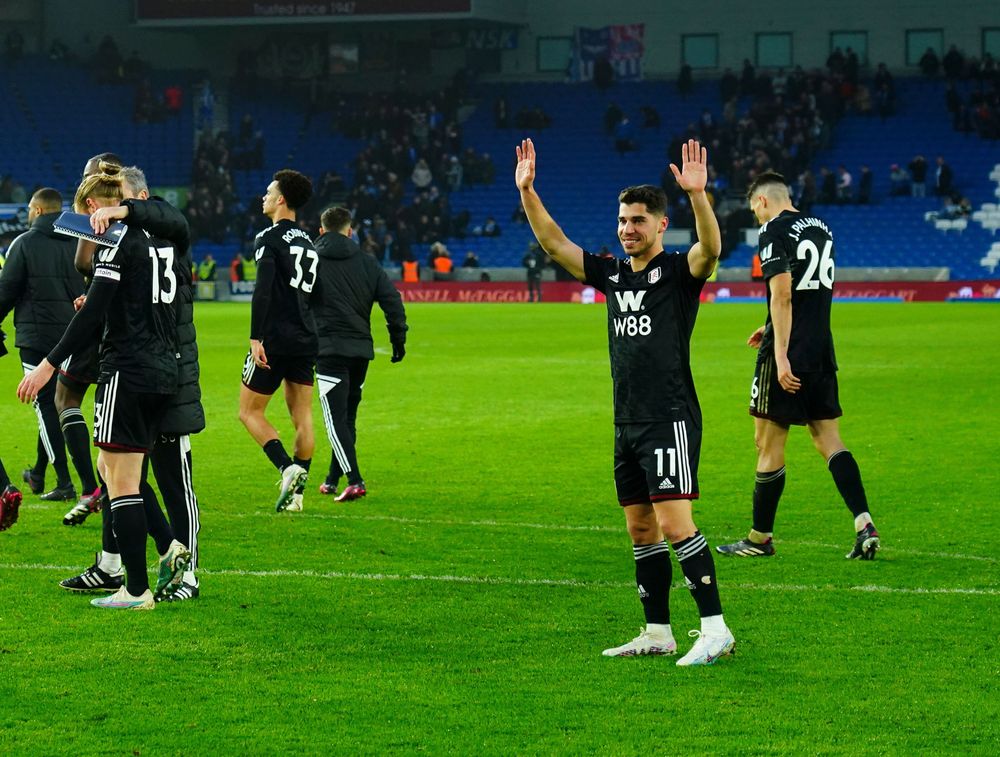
column 462, row 606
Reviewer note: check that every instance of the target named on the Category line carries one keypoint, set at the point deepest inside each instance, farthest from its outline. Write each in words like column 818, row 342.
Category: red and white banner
column 569, row 291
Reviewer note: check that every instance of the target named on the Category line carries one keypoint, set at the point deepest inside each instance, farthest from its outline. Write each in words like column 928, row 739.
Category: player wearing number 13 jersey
column 652, row 304
column 283, row 342
column 795, row 381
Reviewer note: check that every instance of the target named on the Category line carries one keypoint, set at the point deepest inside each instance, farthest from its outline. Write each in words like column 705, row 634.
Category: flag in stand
column 622, row 45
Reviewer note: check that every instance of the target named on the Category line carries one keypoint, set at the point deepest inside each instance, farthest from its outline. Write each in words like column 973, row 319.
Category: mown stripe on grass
column 510, row 581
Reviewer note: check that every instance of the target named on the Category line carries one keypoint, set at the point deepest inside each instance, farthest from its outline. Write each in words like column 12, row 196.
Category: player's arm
column 692, row 177
column 158, row 217
column 781, row 321
column 260, row 305
column 83, row 261
column 391, row 303
column 13, row 279
column 552, row 239
column 83, row 329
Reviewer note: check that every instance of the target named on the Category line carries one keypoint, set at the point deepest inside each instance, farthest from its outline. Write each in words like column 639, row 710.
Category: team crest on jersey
column 613, row 279
column 654, row 276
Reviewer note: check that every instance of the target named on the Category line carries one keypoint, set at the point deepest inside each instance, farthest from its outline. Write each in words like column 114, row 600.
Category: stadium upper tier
column 56, row 116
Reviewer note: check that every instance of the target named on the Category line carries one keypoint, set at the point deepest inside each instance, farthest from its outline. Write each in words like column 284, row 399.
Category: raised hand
column 524, row 174
column 693, row 175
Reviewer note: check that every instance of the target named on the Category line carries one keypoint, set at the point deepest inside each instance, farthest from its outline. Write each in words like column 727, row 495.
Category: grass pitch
column 462, row 606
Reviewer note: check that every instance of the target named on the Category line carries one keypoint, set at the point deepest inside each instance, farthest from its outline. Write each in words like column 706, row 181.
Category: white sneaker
column 295, row 506
column 707, row 649
column 644, row 644
column 292, row 478
column 122, row 600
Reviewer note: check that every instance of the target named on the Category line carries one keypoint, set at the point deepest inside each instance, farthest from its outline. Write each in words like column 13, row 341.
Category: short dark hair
column 295, row 187
column 335, row 218
column 48, row 199
column 763, row 180
column 108, row 158
column 654, row 198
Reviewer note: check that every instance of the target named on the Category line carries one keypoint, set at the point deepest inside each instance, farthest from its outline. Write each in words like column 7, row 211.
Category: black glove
column 398, row 350
column 3, row 347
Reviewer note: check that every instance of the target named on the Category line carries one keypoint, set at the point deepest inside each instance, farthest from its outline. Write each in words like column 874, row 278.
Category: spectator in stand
column 748, row 78
column 108, row 62
column 491, row 228
column 918, row 176
column 173, row 99
column 518, row 216
column 729, row 86
column 453, row 174
column 899, row 181
column 501, row 113
column 865, row 182
column 650, row 117
column 471, row 260
column 953, row 63
column 206, row 269
column 806, row 194
column 625, row 136
column 612, row 117
column 134, row 68
column 604, row 73
column 827, row 187
column 236, row 268
column 845, row 188
column 929, row 63
column 685, row 81
column 422, row 176
column 943, row 178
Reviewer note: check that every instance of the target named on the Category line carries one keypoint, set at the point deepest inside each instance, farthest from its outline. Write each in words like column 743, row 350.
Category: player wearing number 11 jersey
column 283, row 341
column 795, row 381
column 652, row 304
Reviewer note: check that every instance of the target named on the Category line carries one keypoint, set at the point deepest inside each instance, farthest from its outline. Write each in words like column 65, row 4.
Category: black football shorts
column 817, row 400
column 81, row 370
column 126, row 420
column 657, row 461
column 298, row 369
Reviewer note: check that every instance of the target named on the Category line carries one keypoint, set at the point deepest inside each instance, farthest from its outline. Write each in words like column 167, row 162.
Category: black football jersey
column 287, row 326
column 651, row 315
column 139, row 340
column 801, row 244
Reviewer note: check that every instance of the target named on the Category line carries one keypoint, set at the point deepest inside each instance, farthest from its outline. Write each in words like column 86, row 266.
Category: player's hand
column 786, row 378
column 101, row 218
column 258, row 354
column 693, row 175
column 524, row 174
column 34, row 381
column 755, row 338
column 398, row 351
column 79, row 302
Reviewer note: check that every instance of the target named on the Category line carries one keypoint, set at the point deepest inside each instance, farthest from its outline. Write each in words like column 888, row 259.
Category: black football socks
column 699, row 573
column 653, row 573
column 847, row 477
column 129, row 519
column 767, row 491
column 275, row 452
column 74, row 429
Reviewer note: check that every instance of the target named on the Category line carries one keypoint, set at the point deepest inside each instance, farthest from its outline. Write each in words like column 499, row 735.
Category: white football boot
column 707, row 649
column 644, row 644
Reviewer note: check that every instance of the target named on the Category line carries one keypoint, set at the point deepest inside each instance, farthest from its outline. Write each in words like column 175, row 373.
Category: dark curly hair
column 295, row 187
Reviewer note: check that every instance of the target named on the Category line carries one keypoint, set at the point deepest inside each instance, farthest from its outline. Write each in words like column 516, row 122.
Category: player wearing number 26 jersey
column 283, row 342
column 795, row 381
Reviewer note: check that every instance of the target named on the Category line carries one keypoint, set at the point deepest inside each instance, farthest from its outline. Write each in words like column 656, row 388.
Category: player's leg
column 34, row 476
column 653, row 570
column 358, row 371
column 298, row 400
column 847, row 476
column 10, row 500
column 68, row 400
column 172, row 467
column 123, row 473
column 106, row 573
column 334, row 380
column 50, row 439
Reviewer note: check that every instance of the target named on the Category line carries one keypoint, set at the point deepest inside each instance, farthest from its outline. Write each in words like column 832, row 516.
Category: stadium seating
column 57, row 115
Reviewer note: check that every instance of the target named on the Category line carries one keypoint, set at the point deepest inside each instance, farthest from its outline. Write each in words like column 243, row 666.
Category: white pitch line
column 508, row 581
column 717, row 539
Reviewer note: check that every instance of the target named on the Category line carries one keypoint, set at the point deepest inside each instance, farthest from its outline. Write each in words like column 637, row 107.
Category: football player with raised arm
column 652, row 299
column 795, row 381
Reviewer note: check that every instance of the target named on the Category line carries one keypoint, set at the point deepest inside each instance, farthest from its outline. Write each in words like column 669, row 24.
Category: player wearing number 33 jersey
column 283, row 342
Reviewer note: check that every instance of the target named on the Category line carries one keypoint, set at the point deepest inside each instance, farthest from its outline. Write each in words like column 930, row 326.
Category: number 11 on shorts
column 672, row 459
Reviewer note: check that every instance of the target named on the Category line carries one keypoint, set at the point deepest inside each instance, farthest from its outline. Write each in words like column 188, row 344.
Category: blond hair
column 106, row 184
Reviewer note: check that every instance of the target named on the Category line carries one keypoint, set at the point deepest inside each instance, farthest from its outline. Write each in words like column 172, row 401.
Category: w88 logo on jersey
column 631, row 325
